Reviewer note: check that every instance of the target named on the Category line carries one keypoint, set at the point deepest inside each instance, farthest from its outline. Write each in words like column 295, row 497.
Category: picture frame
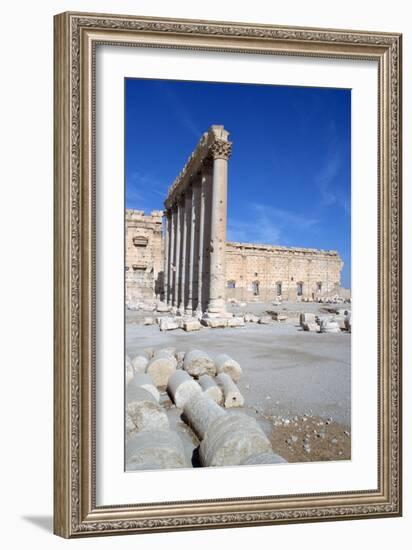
column 76, row 511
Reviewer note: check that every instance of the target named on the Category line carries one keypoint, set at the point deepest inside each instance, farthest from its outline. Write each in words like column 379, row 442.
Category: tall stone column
column 177, row 255
column 191, row 248
column 166, row 258
column 200, row 258
column 172, row 255
column 184, row 209
column 220, row 151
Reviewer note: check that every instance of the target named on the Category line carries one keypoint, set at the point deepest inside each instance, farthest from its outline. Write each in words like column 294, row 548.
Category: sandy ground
column 297, row 384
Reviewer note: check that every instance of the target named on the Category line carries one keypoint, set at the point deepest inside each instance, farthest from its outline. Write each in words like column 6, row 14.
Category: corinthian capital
column 221, row 149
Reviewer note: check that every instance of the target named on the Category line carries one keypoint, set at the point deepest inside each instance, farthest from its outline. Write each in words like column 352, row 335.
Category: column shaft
column 217, row 299
column 191, row 250
column 185, row 206
column 201, row 243
column 177, row 256
column 166, row 258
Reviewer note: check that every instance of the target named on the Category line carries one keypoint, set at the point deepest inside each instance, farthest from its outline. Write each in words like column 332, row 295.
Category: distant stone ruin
column 181, row 255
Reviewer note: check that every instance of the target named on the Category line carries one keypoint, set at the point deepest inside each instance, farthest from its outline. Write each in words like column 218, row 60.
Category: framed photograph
column 227, row 207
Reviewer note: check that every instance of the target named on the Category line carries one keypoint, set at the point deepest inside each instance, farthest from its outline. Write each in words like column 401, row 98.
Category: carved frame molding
column 76, row 36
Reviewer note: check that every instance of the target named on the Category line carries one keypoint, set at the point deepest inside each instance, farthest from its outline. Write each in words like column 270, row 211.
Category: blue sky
column 290, row 169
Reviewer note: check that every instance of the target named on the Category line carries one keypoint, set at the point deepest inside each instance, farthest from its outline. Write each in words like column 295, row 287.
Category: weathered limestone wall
column 144, row 251
column 273, row 268
column 264, row 272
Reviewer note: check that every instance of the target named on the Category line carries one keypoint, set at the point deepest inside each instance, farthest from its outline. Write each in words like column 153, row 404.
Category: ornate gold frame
column 75, row 510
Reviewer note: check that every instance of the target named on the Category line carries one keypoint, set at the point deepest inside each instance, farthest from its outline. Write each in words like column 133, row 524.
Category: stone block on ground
column 250, row 318
column 210, row 388
column 329, row 327
column 231, row 393
column 168, row 323
column 310, row 327
column 181, row 388
column 156, row 449
column 231, row 439
column 307, row 318
column 265, row 320
column 236, row 322
column 161, row 367
column 225, row 363
column 197, row 362
column 148, row 321
column 217, row 322
column 191, row 325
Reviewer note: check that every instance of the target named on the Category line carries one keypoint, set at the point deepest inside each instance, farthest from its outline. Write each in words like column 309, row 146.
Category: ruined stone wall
column 143, row 256
column 253, row 271
column 263, row 272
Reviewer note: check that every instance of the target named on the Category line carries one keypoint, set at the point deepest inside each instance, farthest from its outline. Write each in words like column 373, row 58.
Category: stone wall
column 264, row 272
column 144, row 252
column 253, row 271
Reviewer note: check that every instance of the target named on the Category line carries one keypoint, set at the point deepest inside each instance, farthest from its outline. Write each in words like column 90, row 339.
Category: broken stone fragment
column 155, row 449
column 210, row 388
column 231, row 394
column 181, row 387
column 161, row 367
column 129, row 373
column 225, row 363
column 197, row 362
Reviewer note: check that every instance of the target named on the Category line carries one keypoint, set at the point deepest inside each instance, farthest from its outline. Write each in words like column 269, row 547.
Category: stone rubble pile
column 205, row 390
column 336, row 323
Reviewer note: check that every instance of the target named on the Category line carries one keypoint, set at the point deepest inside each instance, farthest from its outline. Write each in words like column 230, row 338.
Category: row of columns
column 195, row 238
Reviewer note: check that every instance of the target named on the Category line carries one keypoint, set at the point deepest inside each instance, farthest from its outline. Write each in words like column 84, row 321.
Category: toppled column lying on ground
column 231, row 439
column 140, row 362
column 231, row 394
column 197, row 362
column 143, row 410
column 225, row 363
column 145, row 381
column 161, row 367
column 200, row 412
column 210, row 388
column 156, row 449
column 182, row 387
